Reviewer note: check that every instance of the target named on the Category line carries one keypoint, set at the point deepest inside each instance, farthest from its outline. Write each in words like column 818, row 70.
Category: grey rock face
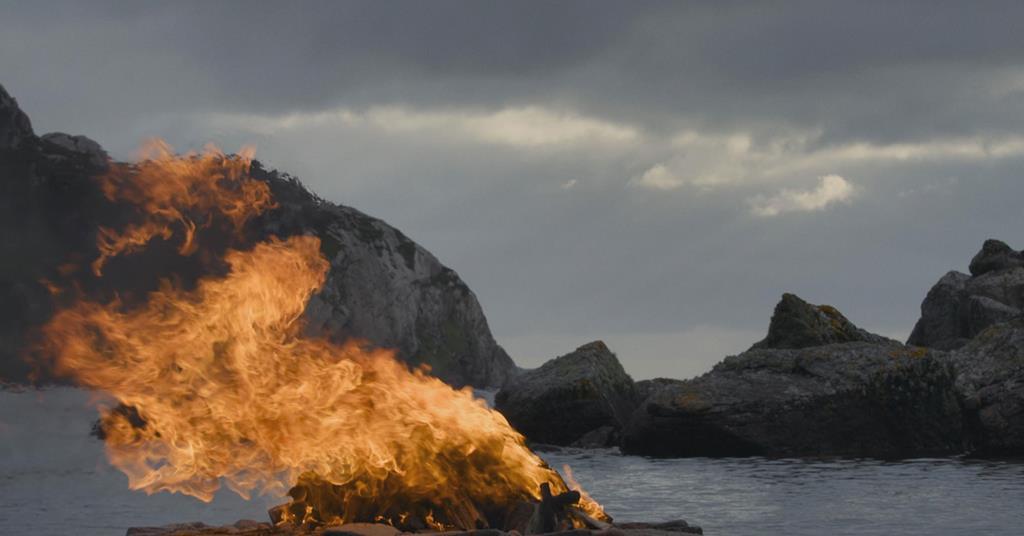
column 990, row 377
column 995, row 255
column 15, row 127
column 80, row 145
column 382, row 287
column 857, row 398
column 569, row 396
column 943, row 322
column 960, row 307
column 385, row 288
column 798, row 324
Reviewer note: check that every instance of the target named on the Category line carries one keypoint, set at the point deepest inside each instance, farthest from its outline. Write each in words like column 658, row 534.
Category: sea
column 55, row 479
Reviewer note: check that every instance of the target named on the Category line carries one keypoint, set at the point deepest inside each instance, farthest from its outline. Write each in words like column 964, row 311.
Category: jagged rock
column 79, row 145
column 995, row 255
column 382, row 287
column 856, row 398
column 983, row 312
column 15, row 127
column 943, row 314
column 645, row 388
column 798, row 324
column 990, row 377
column 959, row 306
column 569, row 396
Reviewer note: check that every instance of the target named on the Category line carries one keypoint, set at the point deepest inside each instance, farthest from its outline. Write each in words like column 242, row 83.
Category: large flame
column 173, row 190
column 225, row 388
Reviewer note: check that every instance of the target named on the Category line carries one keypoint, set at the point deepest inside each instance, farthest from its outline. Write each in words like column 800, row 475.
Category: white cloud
column 658, row 177
column 710, row 160
column 831, row 189
column 569, row 184
column 523, row 127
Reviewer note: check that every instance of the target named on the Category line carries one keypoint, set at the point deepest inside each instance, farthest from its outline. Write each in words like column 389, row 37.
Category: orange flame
column 226, row 389
column 175, row 190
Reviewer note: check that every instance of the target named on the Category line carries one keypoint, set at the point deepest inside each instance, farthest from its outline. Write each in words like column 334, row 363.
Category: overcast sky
column 651, row 174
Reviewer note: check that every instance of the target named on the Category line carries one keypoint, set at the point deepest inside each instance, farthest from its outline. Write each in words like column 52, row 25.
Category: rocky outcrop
column 798, row 324
column 990, row 378
column 870, row 397
column 961, row 306
column 79, row 145
column 385, row 288
column 15, row 127
column 382, row 286
column 584, row 396
column 994, row 256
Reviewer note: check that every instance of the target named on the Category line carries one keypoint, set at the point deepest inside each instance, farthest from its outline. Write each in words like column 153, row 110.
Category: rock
column 385, row 288
column 598, row 438
column 79, row 145
column 995, row 255
column 798, row 324
column 872, row 397
column 15, row 127
column 943, row 314
column 983, row 312
column 990, row 377
column 570, row 396
column 382, row 286
column 645, row 388
column 959, row 306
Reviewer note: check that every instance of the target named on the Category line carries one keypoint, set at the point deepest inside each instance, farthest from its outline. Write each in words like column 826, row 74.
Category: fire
column 173, row 190
column 218, row 383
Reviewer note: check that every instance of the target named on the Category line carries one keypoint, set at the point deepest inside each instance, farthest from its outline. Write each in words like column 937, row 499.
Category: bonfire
column 216, row 383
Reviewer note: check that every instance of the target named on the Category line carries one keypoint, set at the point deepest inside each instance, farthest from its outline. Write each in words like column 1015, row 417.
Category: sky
column 652, row 174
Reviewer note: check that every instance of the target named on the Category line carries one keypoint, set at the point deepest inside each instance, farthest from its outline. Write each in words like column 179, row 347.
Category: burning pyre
column 223, row 386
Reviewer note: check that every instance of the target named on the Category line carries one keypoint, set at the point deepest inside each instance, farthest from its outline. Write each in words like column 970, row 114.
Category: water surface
column 54, row 479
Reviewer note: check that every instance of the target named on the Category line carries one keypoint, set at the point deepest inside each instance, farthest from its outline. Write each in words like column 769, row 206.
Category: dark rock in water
column 382, row 286
column 605, row 436
column 959, row 306
column 990, row 377
column 858, row 399
column 569, row 396
column 995, row 255
column 798, row 324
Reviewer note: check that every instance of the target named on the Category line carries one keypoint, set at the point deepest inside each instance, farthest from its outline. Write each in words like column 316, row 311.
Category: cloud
column 569, row 184
column 831, row 189
column 773, row 154
column 522, row 127
column 657, row 177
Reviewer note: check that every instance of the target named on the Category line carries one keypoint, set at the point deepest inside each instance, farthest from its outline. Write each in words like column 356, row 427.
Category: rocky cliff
column 960, row 306
column 382, row 286
column 817, row 385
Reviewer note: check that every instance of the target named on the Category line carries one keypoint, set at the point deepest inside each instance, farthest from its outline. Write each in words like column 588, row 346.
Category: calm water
column 54, row 477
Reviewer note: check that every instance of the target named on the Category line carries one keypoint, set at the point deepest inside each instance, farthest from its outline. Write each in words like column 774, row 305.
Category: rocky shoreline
column 816, row 385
